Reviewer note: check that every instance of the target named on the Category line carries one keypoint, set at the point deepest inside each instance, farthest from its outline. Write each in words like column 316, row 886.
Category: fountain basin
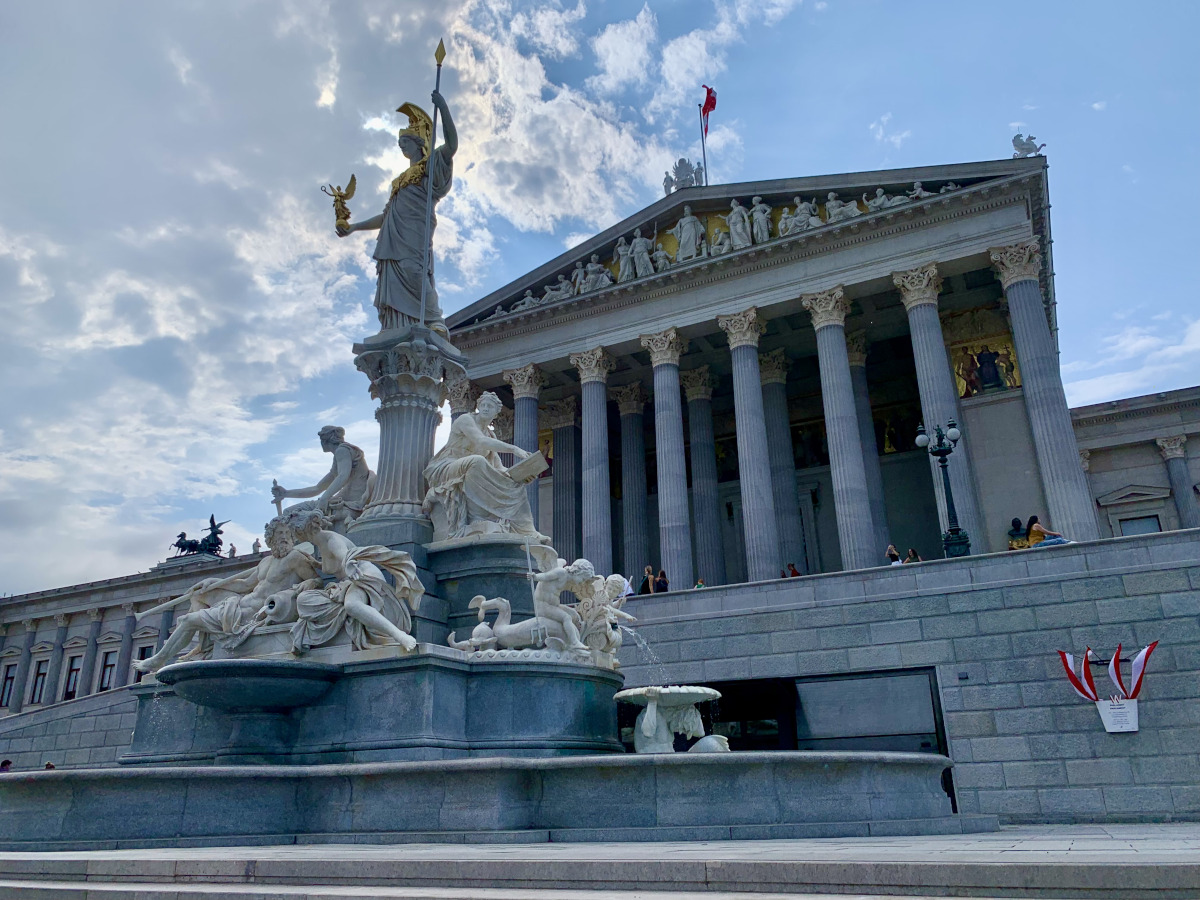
column 250, row 685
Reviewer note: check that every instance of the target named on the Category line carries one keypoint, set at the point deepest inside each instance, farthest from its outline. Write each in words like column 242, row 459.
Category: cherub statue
column 1025, row 146
column 918, row 192
column 341, row 212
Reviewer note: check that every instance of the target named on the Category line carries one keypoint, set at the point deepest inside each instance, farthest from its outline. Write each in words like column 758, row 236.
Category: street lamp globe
column 922, row 440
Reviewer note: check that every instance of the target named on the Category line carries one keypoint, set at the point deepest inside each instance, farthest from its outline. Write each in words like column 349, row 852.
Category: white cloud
column 1100, row 105
column 1162, row 362
column 820, row 6
column 183, row 65
column 623, row 52
column 575, row 238
column 1016, row 126
column 879, row 130
column 550, row 29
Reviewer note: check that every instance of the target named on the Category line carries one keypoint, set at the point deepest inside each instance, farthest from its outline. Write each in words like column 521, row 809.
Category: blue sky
column 179, row 314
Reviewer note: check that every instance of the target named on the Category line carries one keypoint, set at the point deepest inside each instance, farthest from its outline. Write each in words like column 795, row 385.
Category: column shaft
column 1174, row 454
column 783, row 476
column 164, row 628
column 870, row 449
column 50, row 694
column 125, row 656
column 597, row 495
column 525, row 436
column 17, row 701
column 1069, row 502
column 567, row 493
column 939, row 404
column 710, row 548
column 633, row 494
column 674, row 521
column 87, row 670
column 754, row 467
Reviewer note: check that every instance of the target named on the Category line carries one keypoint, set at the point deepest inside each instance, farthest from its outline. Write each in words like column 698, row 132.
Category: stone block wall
column 1025, row 746
column 87, row 733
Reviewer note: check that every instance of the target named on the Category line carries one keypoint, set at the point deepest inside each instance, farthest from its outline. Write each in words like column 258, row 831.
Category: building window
column 108, row 666
column 40, row 669
column 10, row 676
column 71, row 691
column 1140, row 525
column 142, row 653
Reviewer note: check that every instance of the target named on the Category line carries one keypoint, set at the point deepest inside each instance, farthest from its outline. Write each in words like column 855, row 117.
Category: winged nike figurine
column 341, row 211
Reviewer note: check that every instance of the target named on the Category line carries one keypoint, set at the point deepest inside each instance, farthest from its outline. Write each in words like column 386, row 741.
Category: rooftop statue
column 838, row 210
column 470, row 491
column 738, row 221
column 806, row 216
column 918, row 192
column 1025, row 146
column 760, row 217
column 598, row 275
column 641, row 249
column 345, row 490
column 405, row 236
column 689, row 232
column 683, row 175
column 882, row 200
column 624, row 260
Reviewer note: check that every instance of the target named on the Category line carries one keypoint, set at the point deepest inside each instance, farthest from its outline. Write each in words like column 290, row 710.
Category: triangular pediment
column 110, row 637
column 548, row 289
column 10, row 652
column 42, row 647
column 74, row 643
column 146, row 632
column 1133, row 493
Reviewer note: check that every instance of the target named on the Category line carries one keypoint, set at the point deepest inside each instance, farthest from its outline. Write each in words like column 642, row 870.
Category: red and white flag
column 710, row 103
column 1085, row 688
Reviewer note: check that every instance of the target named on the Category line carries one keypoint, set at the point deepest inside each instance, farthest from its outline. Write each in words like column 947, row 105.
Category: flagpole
column 703, row 148
column 438, row 55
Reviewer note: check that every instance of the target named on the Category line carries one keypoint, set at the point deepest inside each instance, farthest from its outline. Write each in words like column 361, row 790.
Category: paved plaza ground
column 1119, row 861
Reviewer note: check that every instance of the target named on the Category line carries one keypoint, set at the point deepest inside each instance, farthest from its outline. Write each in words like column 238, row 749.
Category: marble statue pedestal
column 494, row 565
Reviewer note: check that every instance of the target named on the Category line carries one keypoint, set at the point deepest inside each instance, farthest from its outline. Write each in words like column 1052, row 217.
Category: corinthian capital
column 631, row 398
column 856, row 348
column 827, row 307
column 503, row 424
column 593, row 365
column 665, row 347
column 743, row 329
column 461, row 393
column 1017, row 262
column 526, row 381
column 919, row 285
column 773, row 367
column 1172, row 447
column 562, row 414
column 697, row 384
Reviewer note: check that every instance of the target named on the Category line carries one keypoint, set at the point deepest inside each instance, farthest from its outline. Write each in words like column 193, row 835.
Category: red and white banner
column 1085, row 687
column 710, row 103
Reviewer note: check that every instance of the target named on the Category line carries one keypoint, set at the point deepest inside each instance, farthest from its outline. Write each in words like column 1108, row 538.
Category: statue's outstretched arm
column 448, row 131
column 372, row 224
column 305, row 493
column 343, row 463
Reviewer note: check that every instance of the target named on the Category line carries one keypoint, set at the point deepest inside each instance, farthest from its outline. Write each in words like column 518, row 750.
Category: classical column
column 1069, row 501
column 125, row 656
column 631, row 402
column 856, row 353
column 164, row 628
column 50, row 694
column 527, row 382
column 856, row 527
column 17, row 700
column 1175, row 456
column 462, row 394
column 408, row 378
column 87, row 670
column 563, row 418
column 706, row 503
column 773, row 369
column 939, row 397
column 674, row 520
column 594, row 366
column 754, row 463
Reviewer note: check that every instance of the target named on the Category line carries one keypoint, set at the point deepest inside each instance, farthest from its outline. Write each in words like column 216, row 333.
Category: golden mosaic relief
column 981, row 350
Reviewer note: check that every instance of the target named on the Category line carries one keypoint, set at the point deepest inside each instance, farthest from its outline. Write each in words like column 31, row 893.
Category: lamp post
column 955, row 541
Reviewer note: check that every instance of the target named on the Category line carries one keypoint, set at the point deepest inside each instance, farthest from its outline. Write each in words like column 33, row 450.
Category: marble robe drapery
column 323, row 612
column 403, row 238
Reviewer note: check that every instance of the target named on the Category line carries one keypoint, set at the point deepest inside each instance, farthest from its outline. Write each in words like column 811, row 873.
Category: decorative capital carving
column 409, row 372
column 856, row 348
column 665, row 347
column 1085, row 459
column 773, row 367
column 95, row 614
column 462, row 393
column 127, row 608
column 630, row 398
column 1017, row 262
column 593, row 365
column 561, row 414
column 743, row 329
column 827, row 307
column 60, row 619
column 697, row 384
column 30, row 624
column 503, row 425
column 526, row 381
column 918, row 286
column 1172, row 447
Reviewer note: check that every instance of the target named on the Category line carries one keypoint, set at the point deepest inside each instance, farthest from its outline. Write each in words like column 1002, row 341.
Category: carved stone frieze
column 827, row 307
column 857, row 347
column 593, row 365
column 697, row 384
column 1017, row 262
column 630, row 398
column 526, row 381
column 665, row 347
column 773, row 367
column 1172, row 447
column 919, row 285
column 743, row 329
column 561, row 414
